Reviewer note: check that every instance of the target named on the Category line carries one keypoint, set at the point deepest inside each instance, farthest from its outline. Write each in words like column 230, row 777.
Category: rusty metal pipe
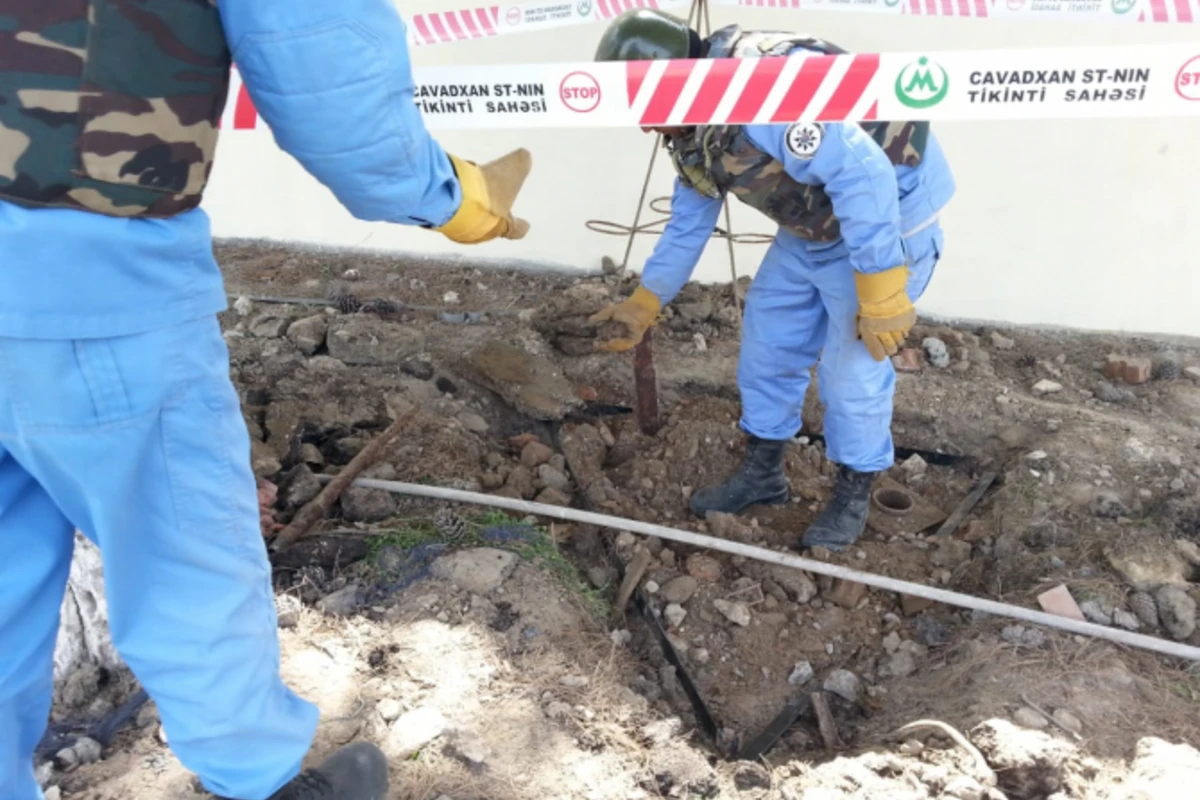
column 645, row 382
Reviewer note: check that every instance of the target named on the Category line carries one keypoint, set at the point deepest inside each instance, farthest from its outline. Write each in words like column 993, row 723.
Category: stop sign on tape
column 580, row 92
column 1187, row 80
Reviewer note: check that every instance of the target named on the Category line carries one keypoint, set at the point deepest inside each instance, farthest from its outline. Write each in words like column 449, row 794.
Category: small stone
column 553, row 497
column 1176, row 611
column 243, row 306
column 662, row 731
column 1019, row 634
column 912, row 747
column 1001, row 342
column 1068, row 720
column 574, row 681
column 1028, row 718
column 269, row 326
column 675, row 614
column 87, row 750
column 1192, row 372
column 914, row 466
column 846, row 593
column 844, row 684
column 147, row 715
column 552, row 478
column 308, row 334
column 389, row 709
column 680, row 590
column 651, row 587
column 891, row 642
column 473, row 422
column 1046, row 386
column 451, row 298
column 736, row 612
column 417, row 368
column 802, row 673
column 795, row 583
column 535, row 454
column 343, row 602
column 936, row 351
column 601, row 576
column 413, row 731
column 1125, row 619
column 1095, row 613
column 911, row 604
column 52, row 793
column 703, row 568
column 311, row 455
column 700, row 655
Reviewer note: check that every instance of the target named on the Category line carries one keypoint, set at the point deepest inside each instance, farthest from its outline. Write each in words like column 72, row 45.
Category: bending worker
column 857, row 208
column 117, row 414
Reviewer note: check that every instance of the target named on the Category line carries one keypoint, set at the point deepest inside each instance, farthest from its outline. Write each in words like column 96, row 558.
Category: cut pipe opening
column 893, row 501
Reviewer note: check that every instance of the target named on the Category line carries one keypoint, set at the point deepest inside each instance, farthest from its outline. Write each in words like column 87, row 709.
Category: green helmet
column 645, row 34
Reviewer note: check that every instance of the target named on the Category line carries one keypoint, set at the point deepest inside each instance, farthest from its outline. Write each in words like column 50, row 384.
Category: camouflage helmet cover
column 645, row 34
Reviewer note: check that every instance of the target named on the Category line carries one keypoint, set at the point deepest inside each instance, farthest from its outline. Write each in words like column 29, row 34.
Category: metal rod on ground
column 788, row 560
column 645, row 383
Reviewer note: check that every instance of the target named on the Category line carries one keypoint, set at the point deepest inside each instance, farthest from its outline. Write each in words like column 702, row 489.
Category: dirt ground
column 484, row 654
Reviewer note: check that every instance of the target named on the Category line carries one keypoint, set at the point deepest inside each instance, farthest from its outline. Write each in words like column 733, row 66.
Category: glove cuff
column 874, row 287
column 646, row 300
column 473, row 220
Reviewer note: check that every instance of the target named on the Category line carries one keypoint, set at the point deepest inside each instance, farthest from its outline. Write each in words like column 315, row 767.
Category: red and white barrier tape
column 1139, row 81
column 1162, row 11
column 444, row 27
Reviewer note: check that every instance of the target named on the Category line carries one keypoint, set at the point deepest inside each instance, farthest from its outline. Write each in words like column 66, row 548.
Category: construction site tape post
column 433, row 28
column 1121, row 82
column 1118, row 635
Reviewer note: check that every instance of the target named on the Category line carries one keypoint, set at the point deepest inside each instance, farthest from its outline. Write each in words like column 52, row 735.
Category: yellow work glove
column 885, row 314
column 637, row 314
column 488, row 193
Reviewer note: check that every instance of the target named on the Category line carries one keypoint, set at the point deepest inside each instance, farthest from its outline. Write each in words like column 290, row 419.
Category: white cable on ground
column 788, row 560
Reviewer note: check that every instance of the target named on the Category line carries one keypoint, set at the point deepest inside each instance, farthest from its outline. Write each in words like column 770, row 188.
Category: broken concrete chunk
column 480, row 571
column 413, row 731
column 533, row 385
column 1059, row 601
column 308, row 334
column 736, row 612
column 369, row 341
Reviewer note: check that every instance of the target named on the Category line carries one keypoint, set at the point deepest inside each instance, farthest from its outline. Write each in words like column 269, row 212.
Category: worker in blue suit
column 857, row 207
column 117, row 414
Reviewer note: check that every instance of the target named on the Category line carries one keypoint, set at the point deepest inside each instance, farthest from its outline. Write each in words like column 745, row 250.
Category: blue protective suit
column 118, row 417
column 802, row 304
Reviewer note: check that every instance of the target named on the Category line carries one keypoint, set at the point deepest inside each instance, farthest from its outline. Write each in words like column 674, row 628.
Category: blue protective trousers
column 802, row 306
column 138, row 442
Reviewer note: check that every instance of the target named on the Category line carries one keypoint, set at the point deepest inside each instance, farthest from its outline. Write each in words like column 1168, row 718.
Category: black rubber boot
column 358, row 771
column 844, row 519
column 759, row 481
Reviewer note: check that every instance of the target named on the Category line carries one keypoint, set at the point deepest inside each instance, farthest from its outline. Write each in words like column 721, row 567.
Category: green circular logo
column 891, row 3
column 584, row 7
column 918, row 86
column 1123, row 6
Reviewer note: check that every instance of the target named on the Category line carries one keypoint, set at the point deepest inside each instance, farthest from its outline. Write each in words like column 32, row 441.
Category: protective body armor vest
column 715, row 159
column 110, row 106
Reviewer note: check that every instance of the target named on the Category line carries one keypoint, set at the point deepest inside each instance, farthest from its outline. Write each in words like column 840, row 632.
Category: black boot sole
column 773, row 500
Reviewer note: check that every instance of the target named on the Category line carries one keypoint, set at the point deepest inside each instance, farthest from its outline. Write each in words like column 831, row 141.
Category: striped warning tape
column 1161, row 11
column 1160, row 80
column 445, row 27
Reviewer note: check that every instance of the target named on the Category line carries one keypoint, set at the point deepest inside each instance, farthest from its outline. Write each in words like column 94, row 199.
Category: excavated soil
column 531, row 686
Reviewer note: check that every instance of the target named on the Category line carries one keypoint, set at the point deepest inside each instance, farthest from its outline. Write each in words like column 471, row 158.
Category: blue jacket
column 877, row 203
column 334, row 83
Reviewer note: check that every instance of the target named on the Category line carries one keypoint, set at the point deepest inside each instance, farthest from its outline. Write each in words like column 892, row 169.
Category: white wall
column 1078, row 224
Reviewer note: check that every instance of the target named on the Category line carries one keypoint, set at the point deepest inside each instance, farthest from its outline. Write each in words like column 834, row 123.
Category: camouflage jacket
column 110, row 106
column 717, row 159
